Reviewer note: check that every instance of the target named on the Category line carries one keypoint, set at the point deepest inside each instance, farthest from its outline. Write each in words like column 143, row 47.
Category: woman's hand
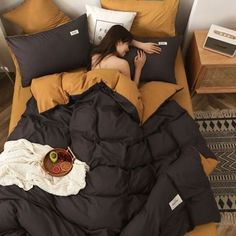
column 146, row 47
column 151, row 48
column 140, row 59
column 139, row 62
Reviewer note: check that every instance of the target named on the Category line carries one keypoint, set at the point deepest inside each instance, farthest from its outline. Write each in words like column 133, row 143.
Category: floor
column 6, row 92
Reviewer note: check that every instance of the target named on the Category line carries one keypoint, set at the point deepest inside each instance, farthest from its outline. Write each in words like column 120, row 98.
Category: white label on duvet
column 175, row 202
column 74, row 32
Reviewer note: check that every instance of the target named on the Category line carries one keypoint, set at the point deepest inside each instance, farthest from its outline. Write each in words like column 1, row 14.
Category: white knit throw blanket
column 21, row 164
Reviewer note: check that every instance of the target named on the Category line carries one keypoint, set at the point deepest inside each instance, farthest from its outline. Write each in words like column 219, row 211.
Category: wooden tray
column 62, row 166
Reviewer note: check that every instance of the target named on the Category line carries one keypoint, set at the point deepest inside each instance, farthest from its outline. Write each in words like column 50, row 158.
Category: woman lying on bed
column 113, row 47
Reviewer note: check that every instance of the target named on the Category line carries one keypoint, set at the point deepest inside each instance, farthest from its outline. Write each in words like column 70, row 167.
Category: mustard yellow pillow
column 153, row 19
column 36, row 15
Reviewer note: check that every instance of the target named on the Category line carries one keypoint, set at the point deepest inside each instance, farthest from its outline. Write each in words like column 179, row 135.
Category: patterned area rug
column 219, row 130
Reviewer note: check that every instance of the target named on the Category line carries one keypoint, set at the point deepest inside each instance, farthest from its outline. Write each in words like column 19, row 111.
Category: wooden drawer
column 220, row 79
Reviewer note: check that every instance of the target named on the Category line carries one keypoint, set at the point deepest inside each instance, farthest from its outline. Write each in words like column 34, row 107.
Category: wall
column 207, row 12
column 68, row 6
column 4, row 54
column 183, row 15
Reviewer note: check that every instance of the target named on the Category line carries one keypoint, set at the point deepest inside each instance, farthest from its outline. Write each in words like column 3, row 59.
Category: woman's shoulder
column 120, row 61
column 122, row 65
column 94, row 59
column 110, row 57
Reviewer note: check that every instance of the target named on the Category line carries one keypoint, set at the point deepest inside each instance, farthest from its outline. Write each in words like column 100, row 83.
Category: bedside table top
column 208, row 57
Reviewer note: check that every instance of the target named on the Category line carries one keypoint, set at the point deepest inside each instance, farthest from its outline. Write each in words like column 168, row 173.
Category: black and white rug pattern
column 219, row 130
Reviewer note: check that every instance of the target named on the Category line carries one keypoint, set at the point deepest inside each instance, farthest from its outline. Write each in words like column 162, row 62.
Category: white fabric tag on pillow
column 74, row 32
column 101, row 20
column 162, row 43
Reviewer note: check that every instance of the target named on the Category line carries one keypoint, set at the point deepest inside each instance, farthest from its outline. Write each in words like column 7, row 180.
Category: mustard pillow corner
column 154, row 94
column 36, row 16
column 153, row 19
column 48, row 92
column 209, row 164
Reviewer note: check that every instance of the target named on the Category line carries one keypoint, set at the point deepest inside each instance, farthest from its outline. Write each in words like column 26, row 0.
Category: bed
column 150, row 117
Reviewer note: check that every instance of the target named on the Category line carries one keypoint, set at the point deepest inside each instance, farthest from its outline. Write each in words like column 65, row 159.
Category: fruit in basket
column 65, row 165
column 56, row 169
column 53, row 156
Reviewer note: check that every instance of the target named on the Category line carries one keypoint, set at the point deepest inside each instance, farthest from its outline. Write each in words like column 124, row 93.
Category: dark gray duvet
column 135, row 171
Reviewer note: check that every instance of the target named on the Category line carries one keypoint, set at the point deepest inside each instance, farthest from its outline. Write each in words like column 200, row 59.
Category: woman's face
column 122, row 48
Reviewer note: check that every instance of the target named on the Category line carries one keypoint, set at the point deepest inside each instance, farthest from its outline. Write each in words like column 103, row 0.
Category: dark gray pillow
column 158, row 67
column 60, row 49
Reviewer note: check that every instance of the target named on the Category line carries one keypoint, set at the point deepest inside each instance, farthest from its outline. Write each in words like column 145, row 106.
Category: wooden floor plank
column 6, row 93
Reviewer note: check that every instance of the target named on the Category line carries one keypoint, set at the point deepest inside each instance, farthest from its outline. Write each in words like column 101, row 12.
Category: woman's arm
column 139, row 62
column 146, row 47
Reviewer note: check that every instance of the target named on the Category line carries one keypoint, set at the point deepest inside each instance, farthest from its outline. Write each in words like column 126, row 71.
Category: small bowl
column 62, row 166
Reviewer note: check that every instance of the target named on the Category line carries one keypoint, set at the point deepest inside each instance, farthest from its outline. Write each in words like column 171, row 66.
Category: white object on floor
column 21, row 164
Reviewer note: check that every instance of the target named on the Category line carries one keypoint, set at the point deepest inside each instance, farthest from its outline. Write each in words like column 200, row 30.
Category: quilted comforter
column 145, row 178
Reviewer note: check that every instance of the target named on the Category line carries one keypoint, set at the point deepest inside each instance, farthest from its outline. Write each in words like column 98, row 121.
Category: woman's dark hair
column 108, row 44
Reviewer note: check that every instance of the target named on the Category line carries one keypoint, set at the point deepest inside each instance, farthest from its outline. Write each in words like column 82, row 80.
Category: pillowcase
column 37, row 15
column 158, row 67
column 154, row 18
column 60, row 49
column 101, row 20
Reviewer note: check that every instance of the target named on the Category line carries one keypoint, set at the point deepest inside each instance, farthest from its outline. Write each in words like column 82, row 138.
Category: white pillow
column 101, row 20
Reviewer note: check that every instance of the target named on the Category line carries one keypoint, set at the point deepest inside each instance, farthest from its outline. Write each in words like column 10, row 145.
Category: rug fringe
column 226, row 113
column 229, row 146
column 228, row 218
column 226, row 177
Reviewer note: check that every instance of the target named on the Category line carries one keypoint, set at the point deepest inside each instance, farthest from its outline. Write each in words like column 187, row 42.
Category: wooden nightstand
column 209, row 72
